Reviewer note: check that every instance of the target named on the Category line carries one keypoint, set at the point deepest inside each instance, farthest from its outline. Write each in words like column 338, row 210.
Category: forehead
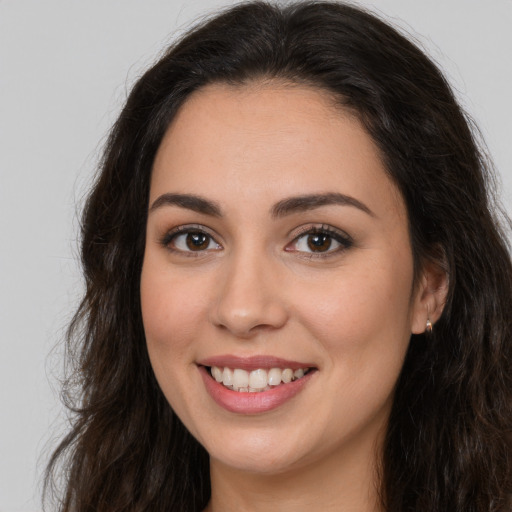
column 241, row 139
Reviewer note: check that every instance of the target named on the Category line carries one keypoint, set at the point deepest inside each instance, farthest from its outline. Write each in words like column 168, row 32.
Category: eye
column 320, row 240
column 189, row 240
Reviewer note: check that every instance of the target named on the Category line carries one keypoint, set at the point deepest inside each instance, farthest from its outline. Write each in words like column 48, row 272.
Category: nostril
column 249, row 321
column 249, row 300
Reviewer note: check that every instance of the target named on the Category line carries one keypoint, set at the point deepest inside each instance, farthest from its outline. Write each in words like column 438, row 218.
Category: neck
column 341, row 481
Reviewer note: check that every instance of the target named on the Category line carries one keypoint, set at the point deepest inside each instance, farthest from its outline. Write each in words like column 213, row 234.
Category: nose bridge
column 250, row 297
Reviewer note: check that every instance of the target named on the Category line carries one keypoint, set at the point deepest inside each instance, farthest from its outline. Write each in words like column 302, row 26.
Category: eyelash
column 173, row 234
column 344, row 240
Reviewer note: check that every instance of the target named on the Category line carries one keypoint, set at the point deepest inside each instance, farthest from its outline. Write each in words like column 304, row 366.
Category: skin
column 257, row 288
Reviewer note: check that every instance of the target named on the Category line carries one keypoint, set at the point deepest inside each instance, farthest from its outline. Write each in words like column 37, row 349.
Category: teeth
column 287, row 375
column 227, row 376
column 274, row 377
column 240, row 379
column 257, row 380
column 217, row 374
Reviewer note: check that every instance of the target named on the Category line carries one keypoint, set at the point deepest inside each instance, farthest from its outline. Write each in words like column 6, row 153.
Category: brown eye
column 191, row 241
column 197, row 241
column 319, row 242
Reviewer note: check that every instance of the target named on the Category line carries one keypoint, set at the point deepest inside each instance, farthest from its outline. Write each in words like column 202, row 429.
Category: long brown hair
column 448, row 445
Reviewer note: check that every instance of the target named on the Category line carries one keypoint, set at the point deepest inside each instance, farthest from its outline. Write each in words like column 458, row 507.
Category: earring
column 428, row 328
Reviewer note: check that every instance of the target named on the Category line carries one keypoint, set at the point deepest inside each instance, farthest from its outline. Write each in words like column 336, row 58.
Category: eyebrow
column 189, row 201
column 280, row 209
column 310, row 202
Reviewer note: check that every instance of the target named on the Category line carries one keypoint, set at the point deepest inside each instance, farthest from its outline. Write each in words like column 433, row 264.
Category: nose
column 250, row 297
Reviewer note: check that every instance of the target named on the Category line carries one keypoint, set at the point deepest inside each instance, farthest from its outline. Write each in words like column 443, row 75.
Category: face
column 276, row 246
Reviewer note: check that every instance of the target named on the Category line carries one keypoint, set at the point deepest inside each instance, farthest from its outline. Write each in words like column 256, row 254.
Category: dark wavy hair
column 448, row 444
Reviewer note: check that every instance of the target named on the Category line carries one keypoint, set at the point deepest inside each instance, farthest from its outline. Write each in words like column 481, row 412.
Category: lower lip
column 252, row 403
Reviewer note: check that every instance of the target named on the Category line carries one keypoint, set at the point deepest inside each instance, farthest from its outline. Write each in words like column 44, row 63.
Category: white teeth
column 227, row 377
column 287, row 375
column 256, row 380
column 298, row 373
column 217, row 373
column 240, row 378
column 274, row 377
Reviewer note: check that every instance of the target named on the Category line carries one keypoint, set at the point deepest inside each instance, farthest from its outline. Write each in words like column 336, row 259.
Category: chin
column 264, row 463
column 261, row 452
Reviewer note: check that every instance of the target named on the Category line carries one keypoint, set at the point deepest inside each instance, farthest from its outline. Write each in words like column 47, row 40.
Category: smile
column 254, row 385
column 255, row 381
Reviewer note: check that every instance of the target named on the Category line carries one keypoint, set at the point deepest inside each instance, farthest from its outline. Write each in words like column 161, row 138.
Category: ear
column 429, row 296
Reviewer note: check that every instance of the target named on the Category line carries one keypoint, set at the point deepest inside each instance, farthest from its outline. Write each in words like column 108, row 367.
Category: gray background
column 65, row 68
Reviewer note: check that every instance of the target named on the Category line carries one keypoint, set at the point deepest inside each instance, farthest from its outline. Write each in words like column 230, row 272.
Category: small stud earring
column 428, row 328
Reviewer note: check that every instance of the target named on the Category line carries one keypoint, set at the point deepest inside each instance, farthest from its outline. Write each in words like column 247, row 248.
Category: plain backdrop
column 65, row 69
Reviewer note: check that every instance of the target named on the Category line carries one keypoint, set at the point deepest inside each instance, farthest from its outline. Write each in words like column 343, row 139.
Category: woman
column 297, row 291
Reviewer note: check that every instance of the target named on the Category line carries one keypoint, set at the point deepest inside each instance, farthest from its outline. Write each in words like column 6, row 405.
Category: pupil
column 197, row 241
column 319, row 242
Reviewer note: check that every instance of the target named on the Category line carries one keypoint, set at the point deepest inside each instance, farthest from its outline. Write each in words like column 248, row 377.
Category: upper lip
column 255, row 362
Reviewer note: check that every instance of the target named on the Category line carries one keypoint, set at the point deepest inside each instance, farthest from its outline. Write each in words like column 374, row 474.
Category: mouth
column 254, row 385
column 255, row 381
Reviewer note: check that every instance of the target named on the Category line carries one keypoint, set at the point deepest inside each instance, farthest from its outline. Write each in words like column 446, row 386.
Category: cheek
column 170, row 309
column 363, row 314
column 362, row 326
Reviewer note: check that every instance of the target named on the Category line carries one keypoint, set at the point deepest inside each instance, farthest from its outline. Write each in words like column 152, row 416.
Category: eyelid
column 172, row 233
column 340, row 236
column 319, row 228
